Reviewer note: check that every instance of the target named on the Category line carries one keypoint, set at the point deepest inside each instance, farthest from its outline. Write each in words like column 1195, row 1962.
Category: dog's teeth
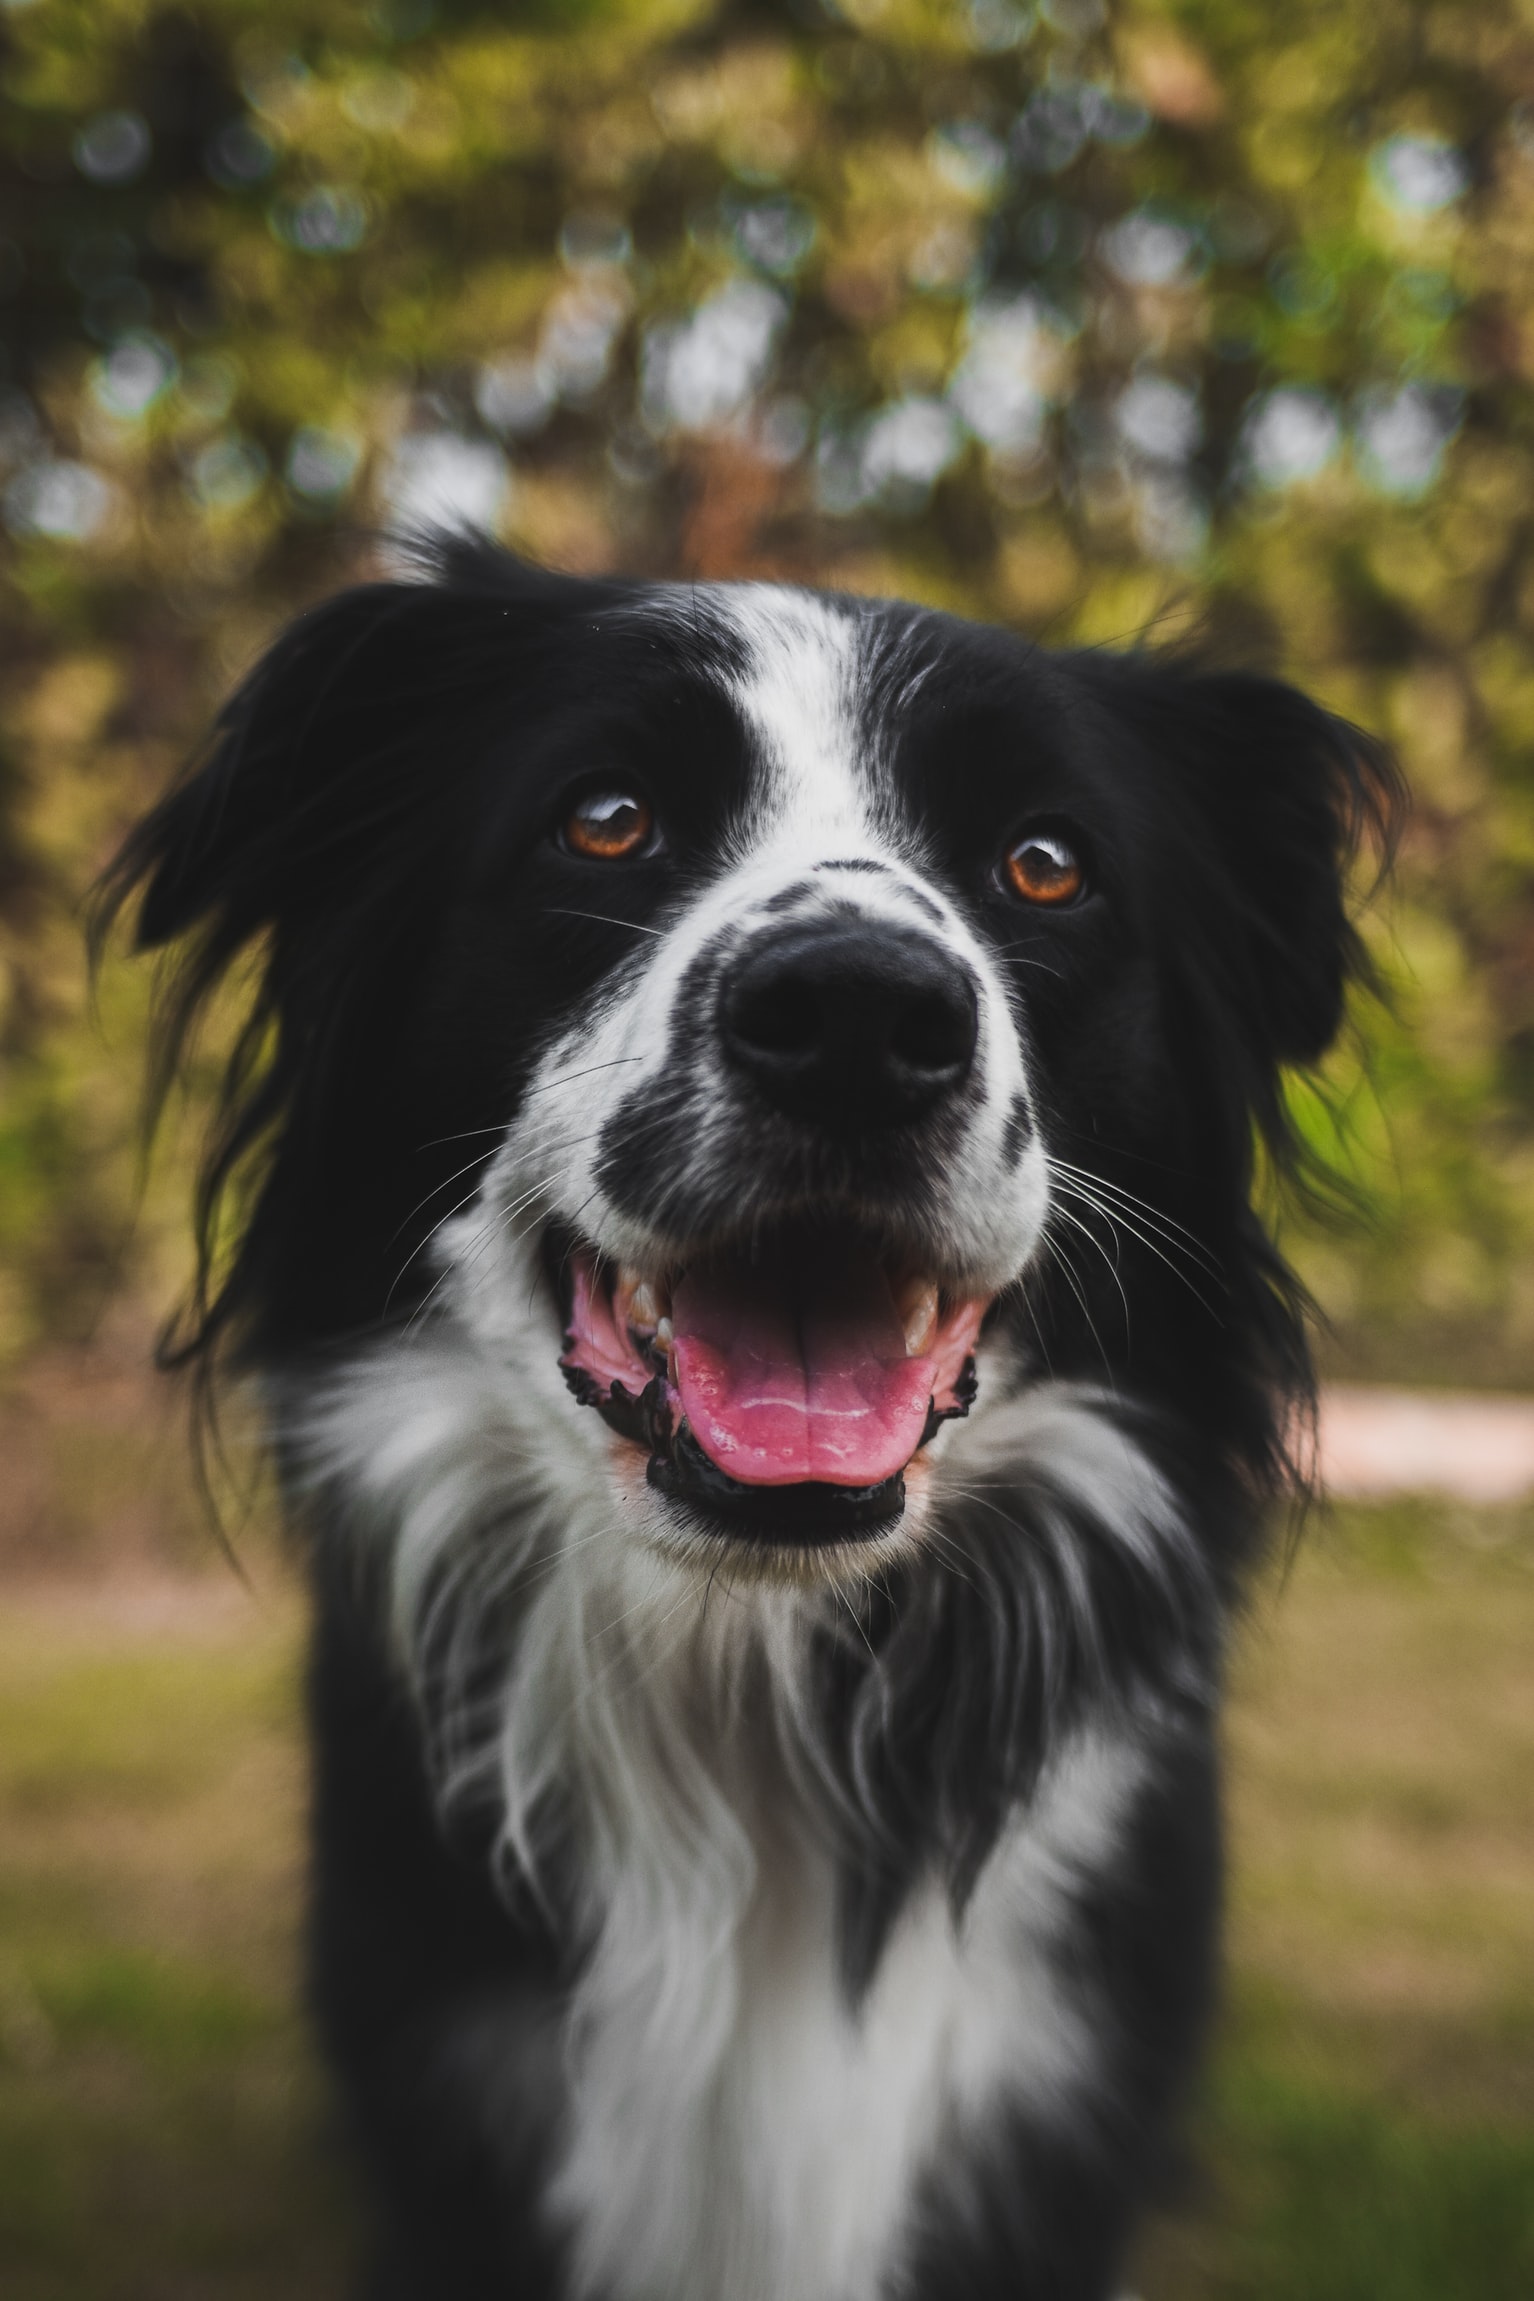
column 665, row 1335
column 641, row 1306
column 644, row 1308
column 634, row 1304
column 916, row 1302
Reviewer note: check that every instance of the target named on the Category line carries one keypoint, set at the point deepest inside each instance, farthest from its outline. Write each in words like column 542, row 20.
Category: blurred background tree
column 1105, row 321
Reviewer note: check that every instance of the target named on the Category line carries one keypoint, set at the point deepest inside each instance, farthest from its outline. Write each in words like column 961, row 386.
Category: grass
column 1366, row 2132
column 163, row 2133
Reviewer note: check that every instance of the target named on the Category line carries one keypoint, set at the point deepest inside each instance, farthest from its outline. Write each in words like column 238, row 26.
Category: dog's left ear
column 1275, row 796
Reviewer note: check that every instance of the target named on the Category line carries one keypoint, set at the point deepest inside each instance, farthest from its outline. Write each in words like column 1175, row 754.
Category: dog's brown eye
column 608, row 825
column 1044, row 868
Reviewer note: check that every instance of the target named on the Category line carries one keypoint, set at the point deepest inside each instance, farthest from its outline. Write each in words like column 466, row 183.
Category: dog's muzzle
column 789, row 1376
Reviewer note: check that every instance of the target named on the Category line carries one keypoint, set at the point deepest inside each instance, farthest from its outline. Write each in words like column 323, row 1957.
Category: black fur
column 373, row 819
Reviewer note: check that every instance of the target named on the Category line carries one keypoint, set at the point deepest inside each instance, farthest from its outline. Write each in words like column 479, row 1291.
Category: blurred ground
column 1367, row 2132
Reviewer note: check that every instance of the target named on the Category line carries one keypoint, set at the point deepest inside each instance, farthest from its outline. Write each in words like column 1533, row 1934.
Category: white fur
column 730, row 2128
column 798, row 696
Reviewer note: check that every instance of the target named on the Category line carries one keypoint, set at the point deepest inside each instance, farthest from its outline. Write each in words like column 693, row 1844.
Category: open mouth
column 781, row 1390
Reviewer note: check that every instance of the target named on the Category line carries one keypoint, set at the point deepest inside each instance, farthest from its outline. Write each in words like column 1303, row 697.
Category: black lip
column 806, row 1516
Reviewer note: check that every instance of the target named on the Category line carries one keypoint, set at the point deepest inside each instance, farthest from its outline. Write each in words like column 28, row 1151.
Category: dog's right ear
column 311, row 786
column 242, row 837
column 311, row 769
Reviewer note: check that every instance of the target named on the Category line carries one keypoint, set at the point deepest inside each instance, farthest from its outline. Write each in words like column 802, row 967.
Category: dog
column 736, row 1193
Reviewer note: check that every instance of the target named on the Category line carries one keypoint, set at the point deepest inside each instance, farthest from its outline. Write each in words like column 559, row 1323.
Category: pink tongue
column 799, row 1370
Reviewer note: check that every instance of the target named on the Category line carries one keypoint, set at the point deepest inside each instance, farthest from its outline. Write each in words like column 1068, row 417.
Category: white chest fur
column 767, row 2145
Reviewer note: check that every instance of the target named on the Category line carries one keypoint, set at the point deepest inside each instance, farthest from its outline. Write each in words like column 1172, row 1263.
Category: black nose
column 850, row 1025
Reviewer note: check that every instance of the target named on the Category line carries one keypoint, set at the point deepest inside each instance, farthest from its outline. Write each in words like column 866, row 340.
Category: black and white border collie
column 743, row 1155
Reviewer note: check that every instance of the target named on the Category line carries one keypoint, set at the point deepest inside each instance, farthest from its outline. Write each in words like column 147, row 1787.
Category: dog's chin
column 683, row 1507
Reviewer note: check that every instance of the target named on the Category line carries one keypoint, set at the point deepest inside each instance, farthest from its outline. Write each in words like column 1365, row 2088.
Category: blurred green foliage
column 1102, row 320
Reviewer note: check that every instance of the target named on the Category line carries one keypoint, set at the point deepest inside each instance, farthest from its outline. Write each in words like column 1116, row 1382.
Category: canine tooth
column 665, row 1334
column 633, row 1302
column 644, row 1307
column 916, row 1302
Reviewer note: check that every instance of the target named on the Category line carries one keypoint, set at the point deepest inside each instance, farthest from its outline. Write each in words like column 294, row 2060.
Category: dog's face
column 777, row 973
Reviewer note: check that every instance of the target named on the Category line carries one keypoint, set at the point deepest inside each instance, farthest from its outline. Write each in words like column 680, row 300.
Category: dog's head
column 768, row 1021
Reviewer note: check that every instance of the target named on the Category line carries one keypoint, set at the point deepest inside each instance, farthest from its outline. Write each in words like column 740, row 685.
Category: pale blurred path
column 1479, row 1448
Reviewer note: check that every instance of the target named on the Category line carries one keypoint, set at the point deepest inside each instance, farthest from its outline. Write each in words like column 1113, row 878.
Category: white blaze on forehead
column 798, row 697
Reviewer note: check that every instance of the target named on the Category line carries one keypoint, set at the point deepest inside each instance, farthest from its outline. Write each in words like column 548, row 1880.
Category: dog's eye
column 1045, row 868
column 606, row 826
